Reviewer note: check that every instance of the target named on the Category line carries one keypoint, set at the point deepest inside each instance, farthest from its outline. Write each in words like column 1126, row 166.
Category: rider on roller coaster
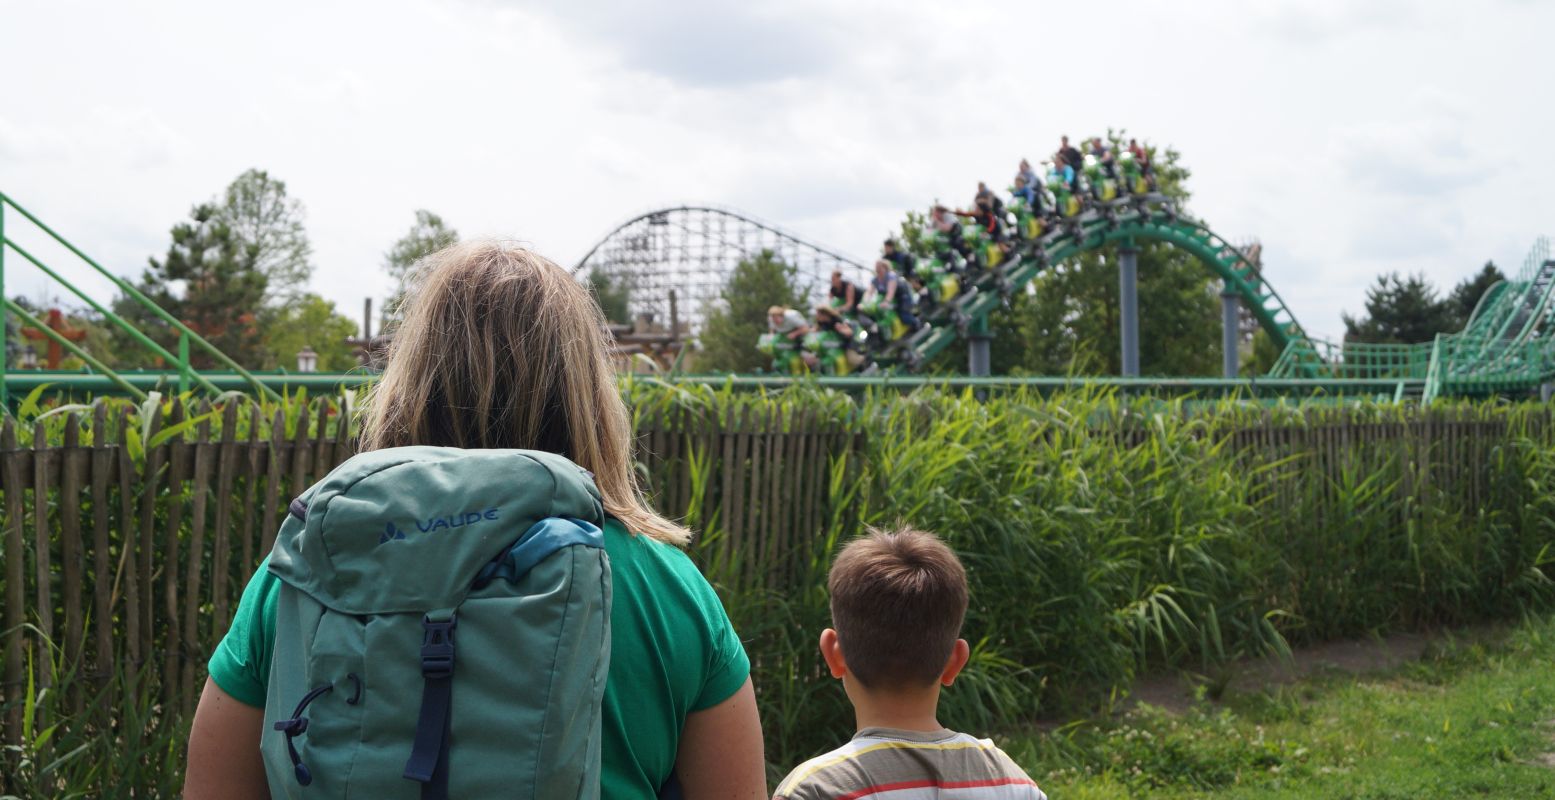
column 988, row 214
column 787, row 323
column 902, row 261
column 1103, row 155
column 890, row 287
column 944, row 222
column 844, row 293
column 1069, row 156
column 1142, row 158
column 828, row 320
column 1028, row 187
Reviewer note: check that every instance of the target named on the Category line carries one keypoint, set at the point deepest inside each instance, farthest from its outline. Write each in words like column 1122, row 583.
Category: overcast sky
column 1352, row 138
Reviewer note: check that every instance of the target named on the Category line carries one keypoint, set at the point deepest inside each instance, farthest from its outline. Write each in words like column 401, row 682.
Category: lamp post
column 307, row 360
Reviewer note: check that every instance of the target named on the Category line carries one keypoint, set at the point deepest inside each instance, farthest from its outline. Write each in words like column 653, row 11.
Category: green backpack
column 443, row 629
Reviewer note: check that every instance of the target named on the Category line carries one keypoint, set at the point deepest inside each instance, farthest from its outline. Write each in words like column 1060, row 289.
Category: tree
column 424, row 238
column 613, row 295
column 1466, row 295
column 314, row 322
column 263, row 218
column 1072, row 324
column 1401, row 310
column 210, row 281
column 739, row 317
column 1265, row 354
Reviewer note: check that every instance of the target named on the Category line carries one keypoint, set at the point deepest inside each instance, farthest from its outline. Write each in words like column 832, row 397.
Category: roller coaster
column 675, row 261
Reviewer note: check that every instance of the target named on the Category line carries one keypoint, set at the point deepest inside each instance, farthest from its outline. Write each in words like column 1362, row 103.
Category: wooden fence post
column 128, row 569
column 276, row 455
column 15, row 588
column 221, row 561
column 72, row 464
column 42, row 545
column 193, row 575
column 173, row 649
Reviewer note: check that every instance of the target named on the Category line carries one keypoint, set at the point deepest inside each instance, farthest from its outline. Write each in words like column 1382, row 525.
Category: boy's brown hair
column 897, row 602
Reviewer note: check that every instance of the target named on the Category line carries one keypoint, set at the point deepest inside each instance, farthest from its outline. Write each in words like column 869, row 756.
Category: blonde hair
column 501, row 348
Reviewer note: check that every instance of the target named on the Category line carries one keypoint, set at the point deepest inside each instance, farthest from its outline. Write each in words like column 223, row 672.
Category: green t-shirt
column 673, row 651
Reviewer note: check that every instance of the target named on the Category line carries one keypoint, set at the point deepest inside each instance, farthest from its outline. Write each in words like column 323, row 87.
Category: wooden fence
column 122, row 559
column 124, row 556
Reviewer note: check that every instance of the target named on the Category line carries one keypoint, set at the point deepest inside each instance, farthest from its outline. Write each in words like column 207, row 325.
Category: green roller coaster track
column 1149, row 221
column 1508, row 345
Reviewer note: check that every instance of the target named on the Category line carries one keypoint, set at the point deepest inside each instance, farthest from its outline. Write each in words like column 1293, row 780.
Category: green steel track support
column 129, row 289
column 183, row 364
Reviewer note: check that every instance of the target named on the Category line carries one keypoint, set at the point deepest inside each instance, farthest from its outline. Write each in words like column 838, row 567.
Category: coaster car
column 985, row 252
column 785, row 356
column 887, row 324
column 1135, row 182
column 830, row 351
column 1104, row 187
column 1028, row 225
column 1066, row 204
column 939, row 273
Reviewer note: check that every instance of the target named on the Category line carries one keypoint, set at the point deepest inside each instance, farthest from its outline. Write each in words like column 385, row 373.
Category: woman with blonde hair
column 501, row 348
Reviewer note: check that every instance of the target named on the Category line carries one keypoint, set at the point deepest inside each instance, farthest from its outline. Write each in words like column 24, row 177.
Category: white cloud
column 1349, row 136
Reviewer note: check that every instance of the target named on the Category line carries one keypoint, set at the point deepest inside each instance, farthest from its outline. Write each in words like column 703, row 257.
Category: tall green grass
column 1103, row 535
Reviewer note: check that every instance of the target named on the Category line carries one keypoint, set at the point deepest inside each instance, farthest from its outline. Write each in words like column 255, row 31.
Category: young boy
column 897, row 600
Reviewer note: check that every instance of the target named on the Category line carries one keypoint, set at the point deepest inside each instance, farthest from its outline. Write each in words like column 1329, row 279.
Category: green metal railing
column 1507, row 345
column 186, row 337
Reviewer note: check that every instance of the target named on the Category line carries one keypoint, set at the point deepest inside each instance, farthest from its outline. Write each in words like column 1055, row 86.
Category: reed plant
column 1106, row 535
column 1103, row 535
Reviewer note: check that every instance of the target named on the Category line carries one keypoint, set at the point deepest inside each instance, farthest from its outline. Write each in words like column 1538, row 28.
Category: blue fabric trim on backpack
column 537, row 544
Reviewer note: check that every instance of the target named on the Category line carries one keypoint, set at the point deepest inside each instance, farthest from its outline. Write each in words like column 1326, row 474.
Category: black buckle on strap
column 437, row 646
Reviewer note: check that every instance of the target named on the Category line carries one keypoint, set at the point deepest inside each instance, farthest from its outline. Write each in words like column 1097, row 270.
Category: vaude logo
column 392, row 532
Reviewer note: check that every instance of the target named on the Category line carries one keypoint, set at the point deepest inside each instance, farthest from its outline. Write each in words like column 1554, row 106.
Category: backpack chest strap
column 428, row 763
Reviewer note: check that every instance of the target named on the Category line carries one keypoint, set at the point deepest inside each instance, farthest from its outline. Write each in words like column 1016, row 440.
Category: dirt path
column 1175, row 691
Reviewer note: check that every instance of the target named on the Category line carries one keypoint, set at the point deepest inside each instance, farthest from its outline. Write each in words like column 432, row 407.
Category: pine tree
column 1401, row 310
column 210, row 281
column 739, row 317
column 614, row 296
column 1466, row 295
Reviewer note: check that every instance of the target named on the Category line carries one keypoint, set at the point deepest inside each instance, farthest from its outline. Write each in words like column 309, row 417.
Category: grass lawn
column 1468, row 719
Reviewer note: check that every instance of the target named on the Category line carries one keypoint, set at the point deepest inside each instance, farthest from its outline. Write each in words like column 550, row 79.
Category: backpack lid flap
column 408, row 529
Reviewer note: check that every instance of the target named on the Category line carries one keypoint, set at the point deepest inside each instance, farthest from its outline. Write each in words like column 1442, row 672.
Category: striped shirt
column 891, row 764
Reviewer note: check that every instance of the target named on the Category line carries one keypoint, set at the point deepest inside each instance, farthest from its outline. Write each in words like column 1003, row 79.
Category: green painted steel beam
column 1219, row 386
column 114, row 378
column 145, row 380
column 315, row 381
column 130, row 290
column 117, row 321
